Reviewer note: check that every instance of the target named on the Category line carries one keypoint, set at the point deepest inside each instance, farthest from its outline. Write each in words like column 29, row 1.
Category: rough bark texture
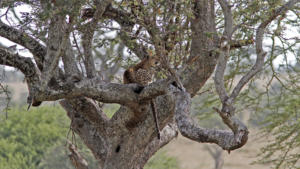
column 113, row 143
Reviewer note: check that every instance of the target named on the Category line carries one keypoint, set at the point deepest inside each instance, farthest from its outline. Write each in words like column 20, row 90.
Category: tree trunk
column 115, row 144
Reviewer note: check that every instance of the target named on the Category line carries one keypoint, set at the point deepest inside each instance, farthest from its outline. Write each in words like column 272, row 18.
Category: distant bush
column 26, row 135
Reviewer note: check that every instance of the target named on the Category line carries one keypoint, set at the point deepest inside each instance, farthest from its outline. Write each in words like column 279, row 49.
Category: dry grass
column 193, row 155
column 18, row 90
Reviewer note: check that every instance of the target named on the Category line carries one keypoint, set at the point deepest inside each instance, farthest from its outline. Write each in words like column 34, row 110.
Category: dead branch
column 77, row 160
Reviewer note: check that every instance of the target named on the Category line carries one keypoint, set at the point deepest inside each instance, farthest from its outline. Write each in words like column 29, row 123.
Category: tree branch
column 69, row 60
column 224, row 51
column 89, row 133
column 58, row 37
column 202, row 61
column 25, row 40
column 127, row 95
column 93, row 88
column 93, row 114
column 188, row 128
column 259, row 48
column 228, row 109
column 228, row 18
column 219, row 76
column 87, row 38
column 24, row 64
column 27, row 67
column 87, row 43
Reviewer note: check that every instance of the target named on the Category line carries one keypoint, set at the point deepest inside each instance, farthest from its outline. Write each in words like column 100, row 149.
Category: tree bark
column 125, row 141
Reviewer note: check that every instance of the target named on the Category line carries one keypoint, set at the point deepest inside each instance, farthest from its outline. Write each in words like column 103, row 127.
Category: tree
column 193, row 40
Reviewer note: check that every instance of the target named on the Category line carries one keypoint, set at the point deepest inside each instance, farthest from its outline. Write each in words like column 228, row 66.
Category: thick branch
column 69, row 60
column 88, row 132
column 259, row 48
column 51, row 68
column 89, row 110
column 228, row 18
column 127, row 95
column 55, row 47
column 87, row 41
column 25, row 40
column 87, row 38
column 93, row 88
column 188, row 128
column 24, row 64
column 202, row 61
